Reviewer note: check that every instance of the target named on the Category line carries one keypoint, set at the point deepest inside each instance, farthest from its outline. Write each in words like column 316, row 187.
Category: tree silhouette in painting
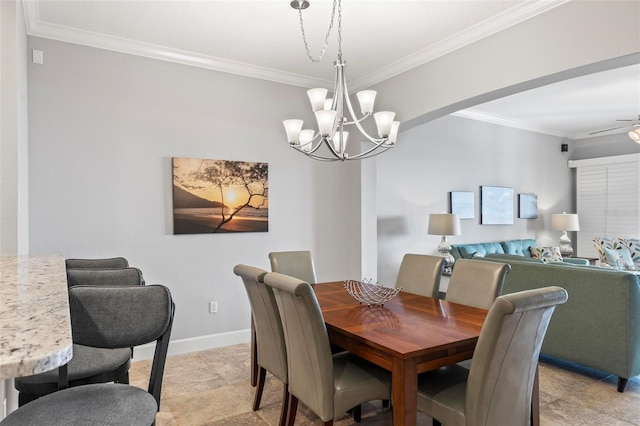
column 247, row 181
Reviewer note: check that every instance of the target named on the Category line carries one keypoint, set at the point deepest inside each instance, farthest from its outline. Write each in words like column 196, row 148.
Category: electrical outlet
column 213, row 307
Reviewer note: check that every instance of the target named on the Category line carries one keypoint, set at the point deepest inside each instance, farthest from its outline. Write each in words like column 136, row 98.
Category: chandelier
column 330, row 112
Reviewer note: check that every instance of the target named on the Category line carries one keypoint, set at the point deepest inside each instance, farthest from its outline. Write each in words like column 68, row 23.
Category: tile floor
column 212, row 388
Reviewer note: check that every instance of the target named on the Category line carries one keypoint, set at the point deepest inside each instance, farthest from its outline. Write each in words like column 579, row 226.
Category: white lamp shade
column 635, row 135
column 328, row 103
column 394, row 132
column 384, row 119
column 293, row 128
column 444, row 224
column 366, row 99
column 326, row 119
column 336, row 141
column 317, row 97
column 306, row 136
column 565, row 222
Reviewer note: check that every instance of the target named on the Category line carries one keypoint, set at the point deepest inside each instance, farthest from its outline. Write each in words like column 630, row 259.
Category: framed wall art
column 527, row 206
column 216, row 196
column 463, row 204
column 496, row 205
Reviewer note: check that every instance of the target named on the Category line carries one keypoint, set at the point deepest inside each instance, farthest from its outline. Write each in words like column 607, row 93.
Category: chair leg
column 285, row 406
column 357, row 413
column 291, row 410
column 254, row 355
column 124, row 379
column 329, row 423
column 622, row 383
column 262, row 374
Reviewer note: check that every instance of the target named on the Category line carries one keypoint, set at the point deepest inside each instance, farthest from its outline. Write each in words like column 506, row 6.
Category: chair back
column 476, row 283
column 112, row 262
column 298, row 264
column 122, row 317
column 307, row 342
column 420, row 274
column 104, row 277
column 272, row 353
column 504, row 363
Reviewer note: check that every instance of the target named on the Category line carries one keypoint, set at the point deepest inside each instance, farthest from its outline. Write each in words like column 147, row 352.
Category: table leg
column 404, row 392
column 535, row 401
column 254, row 355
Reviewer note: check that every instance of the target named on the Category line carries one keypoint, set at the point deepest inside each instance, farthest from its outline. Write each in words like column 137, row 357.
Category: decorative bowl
column 368, row 293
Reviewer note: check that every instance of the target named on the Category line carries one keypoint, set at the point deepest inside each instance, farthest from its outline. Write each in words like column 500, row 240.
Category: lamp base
column 565, row 245
column 444, row 250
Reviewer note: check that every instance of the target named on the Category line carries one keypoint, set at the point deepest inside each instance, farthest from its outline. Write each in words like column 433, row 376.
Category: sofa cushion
column 468, row 251
column 620, row 258
column 518, row 247
column 547, row 254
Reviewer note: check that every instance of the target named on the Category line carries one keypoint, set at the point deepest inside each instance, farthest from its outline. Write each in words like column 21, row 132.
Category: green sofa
column 599, row 326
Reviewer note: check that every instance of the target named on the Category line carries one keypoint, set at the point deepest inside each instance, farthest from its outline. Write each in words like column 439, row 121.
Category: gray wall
column 604, row 146
column 103, row 129
column 459, row 154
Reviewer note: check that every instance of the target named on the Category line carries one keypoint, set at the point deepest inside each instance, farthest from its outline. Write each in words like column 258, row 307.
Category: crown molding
column 513, row 16
column 502, row 121
column 500, row 22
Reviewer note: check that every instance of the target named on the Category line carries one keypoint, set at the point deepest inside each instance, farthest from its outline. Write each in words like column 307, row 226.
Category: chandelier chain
column 326, row 38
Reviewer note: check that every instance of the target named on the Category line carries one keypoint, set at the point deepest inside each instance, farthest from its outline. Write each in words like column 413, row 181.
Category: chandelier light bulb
column 317, row 98
column 328, row 103
column 366, row 99
column 394, row 132
column 293, row 128
column 336, row 141
column 326, row 119
column 306, row 136
column 384, row 119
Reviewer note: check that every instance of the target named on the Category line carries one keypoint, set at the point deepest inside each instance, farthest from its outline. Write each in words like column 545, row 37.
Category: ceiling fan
column 634, row 124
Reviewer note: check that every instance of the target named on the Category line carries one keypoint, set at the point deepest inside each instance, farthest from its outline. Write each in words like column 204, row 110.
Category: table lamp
column 565, row 222
column 444, row 224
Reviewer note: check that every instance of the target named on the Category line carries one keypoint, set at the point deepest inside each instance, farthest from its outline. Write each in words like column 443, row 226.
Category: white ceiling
column 380, row 39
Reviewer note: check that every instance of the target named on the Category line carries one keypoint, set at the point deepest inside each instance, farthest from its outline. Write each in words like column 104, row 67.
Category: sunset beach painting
column 219, row 196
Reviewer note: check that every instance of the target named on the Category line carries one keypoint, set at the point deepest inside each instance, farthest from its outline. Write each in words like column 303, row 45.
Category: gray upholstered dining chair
column 89, row 364
column 271, row 351
column 109, row 317
column 420, row 274
column 476, row 283
column 497, row 389
column 298, row 264
column 107, row 263
column 329, row 385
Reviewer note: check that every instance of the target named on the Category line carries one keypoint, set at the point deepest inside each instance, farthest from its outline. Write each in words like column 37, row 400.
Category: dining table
column 408, row 335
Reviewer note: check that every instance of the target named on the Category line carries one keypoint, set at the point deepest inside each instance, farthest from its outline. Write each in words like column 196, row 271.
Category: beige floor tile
column 212, row 388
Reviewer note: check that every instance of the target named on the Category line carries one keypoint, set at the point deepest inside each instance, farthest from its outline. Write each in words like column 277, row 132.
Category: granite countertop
column 35, row 328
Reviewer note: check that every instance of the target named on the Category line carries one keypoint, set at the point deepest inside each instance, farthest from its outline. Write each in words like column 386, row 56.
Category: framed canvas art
column 496, row 205
column 216, row 196
column 527, row 206
column 463, row 204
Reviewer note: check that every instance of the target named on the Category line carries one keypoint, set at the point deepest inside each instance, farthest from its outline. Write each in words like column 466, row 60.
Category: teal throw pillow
column 620, row 258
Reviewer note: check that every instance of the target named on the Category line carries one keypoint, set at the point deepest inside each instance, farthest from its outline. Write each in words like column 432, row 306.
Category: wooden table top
column 408, row 326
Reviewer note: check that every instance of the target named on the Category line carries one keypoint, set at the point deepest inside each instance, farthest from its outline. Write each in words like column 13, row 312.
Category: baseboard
column 195, row 344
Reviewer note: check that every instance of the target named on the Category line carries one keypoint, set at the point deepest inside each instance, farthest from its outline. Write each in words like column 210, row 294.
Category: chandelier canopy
column 331, row 112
